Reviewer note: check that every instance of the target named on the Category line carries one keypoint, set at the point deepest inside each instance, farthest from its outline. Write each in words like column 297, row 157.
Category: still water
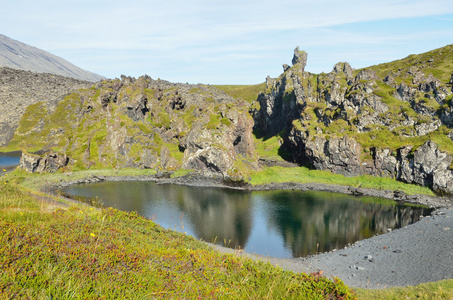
column 9, row 159
column 273, row 223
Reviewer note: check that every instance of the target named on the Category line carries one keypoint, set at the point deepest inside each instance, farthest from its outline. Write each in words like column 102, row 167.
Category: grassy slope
column 248, row 93
column 305, row 175
column 441, row 66
column 78, row 252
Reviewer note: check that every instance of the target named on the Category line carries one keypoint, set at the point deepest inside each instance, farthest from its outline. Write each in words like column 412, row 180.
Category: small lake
column 9, row 159
column 273, row 223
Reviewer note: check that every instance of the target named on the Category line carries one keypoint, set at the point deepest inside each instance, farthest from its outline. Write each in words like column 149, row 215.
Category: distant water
column 273, row 223
column 9, row 160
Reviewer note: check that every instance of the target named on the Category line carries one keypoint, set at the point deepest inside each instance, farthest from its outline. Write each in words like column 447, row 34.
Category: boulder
column 137, row 108
column 338, row 155
column 430, row 162
column 385, row 163
column 404, row 92
column 49, row 162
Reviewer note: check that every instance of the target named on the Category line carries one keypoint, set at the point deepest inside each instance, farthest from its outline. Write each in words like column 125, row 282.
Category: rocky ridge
column 144, row 123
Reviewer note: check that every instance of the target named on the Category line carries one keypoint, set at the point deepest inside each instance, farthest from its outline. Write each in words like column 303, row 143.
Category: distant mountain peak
column 17, row 55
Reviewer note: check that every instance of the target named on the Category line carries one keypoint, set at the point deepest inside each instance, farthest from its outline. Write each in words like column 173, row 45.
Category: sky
column 226, row 42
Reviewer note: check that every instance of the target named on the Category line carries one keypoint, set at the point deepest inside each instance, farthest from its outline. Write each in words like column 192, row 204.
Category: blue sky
column 226, row 42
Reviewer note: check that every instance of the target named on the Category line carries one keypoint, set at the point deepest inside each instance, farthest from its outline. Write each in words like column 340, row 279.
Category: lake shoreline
column 218, row 182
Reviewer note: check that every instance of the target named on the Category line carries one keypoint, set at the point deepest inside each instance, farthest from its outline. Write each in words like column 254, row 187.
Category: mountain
column 17, row 55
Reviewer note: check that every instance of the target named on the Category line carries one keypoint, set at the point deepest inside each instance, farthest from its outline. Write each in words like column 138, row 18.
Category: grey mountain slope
column 17, row 55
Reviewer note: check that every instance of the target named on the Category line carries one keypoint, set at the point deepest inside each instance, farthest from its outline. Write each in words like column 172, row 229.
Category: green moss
column 158, row 140
column 289, row 94
column 433, row 290
column 162, row 120
column 269, row 148
column 145, row 129
column 175, row 151
column 440, row 67
column 214, row 121
column 149, row 93
column 195, row 91
column 226, row 121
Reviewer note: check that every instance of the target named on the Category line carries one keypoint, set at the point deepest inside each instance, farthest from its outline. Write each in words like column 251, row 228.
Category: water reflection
column 216, row 214
column 311, row 222
column 275, row 223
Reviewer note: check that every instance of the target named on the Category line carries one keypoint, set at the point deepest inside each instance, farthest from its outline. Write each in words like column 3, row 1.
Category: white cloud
column 210, row 36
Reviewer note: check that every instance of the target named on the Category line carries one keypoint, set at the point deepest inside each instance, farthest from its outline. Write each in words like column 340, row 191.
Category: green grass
column 434, row 290
column 79, row 252
column 305, row 175
column 42, row 181
column 248, row 93
column 440, row 67
column 268, row 148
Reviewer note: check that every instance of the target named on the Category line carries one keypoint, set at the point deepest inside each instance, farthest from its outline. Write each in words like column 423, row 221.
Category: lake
column 274, row 223
column 9, row 160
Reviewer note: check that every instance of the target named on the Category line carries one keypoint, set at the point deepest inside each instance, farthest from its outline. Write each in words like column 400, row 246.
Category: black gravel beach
column 418, row 253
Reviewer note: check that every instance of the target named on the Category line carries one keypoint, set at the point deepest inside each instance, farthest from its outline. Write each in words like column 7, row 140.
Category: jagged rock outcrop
column 343, row 67
column 386, row 120
column 145, row 123
column 50, row 162
column 427, row 166
column 285, row 97
column 215, row 152
column 300, row 59
column 361, row 122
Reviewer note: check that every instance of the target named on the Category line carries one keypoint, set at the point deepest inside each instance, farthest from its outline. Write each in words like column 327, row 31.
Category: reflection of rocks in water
column 320, row 222
column 220, row 214
column 301, row 219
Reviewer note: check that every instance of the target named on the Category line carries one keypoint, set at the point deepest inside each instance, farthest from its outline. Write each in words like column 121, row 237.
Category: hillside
column 17, row 55
column 19, row 89
column 390, row 120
